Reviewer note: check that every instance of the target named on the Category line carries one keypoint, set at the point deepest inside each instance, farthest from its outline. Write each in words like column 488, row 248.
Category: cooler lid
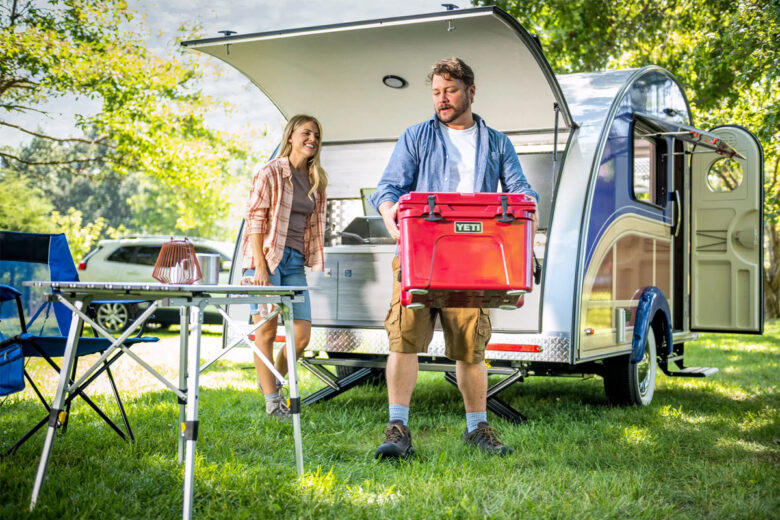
column 338, row 73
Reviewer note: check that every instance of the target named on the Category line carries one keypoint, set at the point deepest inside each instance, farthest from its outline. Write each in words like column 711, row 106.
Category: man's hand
column 389, row 211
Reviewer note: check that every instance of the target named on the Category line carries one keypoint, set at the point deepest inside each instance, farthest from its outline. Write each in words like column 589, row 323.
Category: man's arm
column 398, row 179
column 400, row 175
column 389, row 212
column 513, row 179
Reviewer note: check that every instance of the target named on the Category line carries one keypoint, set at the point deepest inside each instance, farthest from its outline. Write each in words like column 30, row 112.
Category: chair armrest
column 8, row 293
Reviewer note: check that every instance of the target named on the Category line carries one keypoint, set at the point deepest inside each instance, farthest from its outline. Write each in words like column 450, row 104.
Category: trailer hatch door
column 339, row 73
column 727, row 235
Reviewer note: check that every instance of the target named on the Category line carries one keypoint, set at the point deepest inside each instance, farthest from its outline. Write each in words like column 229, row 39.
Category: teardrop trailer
column 650, row 230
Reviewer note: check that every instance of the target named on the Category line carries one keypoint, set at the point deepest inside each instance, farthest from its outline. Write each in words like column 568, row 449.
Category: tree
column 96, row 192
column 726, row 55
column 150, row 118
column 22, row 205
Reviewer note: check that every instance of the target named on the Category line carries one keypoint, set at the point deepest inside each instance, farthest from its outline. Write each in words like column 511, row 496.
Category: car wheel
column 632, row 384
column 114, row 317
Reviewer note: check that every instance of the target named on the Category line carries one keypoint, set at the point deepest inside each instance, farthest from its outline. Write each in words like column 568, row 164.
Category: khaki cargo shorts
column 466, row 330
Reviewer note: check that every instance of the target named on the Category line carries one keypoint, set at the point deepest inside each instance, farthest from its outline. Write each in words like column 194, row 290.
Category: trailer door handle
column 677, row 213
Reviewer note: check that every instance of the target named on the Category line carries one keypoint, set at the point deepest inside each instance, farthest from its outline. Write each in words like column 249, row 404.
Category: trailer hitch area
column 433, row 216
column 505, row 217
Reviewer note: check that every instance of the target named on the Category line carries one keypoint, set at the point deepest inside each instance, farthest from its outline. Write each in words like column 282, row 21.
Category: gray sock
column 399, row 412
column 473, row 419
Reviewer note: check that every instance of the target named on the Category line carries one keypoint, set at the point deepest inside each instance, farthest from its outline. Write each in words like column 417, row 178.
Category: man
column 454, row 151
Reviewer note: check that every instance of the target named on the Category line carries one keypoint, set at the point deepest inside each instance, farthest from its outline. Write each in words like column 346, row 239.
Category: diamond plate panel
column 556, row 347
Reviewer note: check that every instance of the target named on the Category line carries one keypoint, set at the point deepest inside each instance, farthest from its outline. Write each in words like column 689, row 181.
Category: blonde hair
column 315, row 168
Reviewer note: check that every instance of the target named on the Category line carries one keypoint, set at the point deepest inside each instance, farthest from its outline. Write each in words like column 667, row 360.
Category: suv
column 132, row 259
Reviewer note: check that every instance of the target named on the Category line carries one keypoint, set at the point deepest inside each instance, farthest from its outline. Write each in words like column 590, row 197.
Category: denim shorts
column 289, row 272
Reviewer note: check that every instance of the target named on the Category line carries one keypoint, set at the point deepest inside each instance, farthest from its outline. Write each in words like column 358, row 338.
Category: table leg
column 59, row 399
column 190, row 427
column 184, row 315
column 292, row 377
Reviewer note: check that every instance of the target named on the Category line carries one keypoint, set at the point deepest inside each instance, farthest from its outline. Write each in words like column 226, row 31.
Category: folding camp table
column 191, row 300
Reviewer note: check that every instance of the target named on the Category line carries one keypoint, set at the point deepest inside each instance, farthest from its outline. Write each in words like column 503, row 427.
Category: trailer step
column 693, row 372
column 338, row 387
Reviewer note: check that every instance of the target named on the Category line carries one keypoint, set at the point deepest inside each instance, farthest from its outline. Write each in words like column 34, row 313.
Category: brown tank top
column 302, row 207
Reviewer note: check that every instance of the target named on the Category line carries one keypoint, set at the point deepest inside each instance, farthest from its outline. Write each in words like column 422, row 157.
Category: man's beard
column 456, row 113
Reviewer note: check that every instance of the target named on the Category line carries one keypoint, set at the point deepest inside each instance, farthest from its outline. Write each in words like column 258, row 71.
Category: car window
column 146, row 255
column 122, row 254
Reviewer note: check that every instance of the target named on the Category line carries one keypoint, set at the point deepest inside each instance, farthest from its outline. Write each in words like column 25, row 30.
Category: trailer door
column 727, row 235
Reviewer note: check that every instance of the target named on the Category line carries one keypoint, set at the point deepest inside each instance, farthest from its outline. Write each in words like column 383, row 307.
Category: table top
column 165, row 289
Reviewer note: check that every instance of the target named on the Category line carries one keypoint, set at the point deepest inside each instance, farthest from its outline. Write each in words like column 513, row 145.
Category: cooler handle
column 505, row 217
column 433, row 216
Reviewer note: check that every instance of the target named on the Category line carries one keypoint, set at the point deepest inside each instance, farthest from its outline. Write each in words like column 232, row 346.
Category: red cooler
column 466, row 250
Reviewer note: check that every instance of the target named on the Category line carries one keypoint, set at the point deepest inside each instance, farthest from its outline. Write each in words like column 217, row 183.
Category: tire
column 632, row 384
column 152, row 325
column 114, row 317
column 377, row 377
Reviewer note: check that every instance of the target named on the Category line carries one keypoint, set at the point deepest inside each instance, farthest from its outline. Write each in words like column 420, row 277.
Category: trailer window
column 644, row 169
column 537, row 168
column 725, row 175
column 649, row 168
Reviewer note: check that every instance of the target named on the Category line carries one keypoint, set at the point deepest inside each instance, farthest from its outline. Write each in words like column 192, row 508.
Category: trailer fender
column 652, row 311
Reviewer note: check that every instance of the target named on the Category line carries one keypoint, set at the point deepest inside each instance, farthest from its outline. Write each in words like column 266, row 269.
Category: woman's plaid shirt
column 268, row 213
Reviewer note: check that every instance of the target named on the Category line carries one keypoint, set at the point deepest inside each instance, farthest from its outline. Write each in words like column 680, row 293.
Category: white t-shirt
column 461, row 157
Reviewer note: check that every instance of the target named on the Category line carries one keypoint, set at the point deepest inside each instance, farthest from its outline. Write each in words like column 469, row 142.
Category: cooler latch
column 505, row 217
column 432, row 215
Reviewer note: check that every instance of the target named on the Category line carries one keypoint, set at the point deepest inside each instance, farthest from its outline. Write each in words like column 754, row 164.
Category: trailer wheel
column 377, row 377
column 631, row 384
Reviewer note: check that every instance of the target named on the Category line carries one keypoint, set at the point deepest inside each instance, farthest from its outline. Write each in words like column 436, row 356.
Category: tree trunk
column 772, row 271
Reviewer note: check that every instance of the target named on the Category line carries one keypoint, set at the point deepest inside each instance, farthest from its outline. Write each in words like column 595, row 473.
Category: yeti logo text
column 468, row 227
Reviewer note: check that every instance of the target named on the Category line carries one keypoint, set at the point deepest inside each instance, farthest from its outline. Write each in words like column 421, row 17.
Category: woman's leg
column 264, row 339
column 292, row 274
column 302, row 331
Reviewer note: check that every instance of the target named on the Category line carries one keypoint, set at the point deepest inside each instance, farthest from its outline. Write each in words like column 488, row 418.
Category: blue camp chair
column 33, row 256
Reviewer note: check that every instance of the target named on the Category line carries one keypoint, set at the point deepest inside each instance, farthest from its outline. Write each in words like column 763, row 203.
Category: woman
column 284, row 230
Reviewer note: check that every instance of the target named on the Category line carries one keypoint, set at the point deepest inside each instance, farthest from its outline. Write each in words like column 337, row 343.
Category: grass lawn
column 705, row 448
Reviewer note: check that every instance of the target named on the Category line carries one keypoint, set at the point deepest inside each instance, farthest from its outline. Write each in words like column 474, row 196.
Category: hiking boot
column 484, row 438
column 398, row 442
column 277, row 408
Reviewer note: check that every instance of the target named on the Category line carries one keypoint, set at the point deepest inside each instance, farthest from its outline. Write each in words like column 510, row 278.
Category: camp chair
column 32, row 256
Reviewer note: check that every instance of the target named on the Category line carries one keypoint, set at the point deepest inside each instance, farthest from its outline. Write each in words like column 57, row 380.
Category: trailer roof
column 336, row 72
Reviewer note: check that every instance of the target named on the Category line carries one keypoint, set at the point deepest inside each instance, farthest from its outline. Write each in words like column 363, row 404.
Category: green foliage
column 83, row 236
column 150, row 118
column 94, row 189
column 703, row 449
column 22, row 205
